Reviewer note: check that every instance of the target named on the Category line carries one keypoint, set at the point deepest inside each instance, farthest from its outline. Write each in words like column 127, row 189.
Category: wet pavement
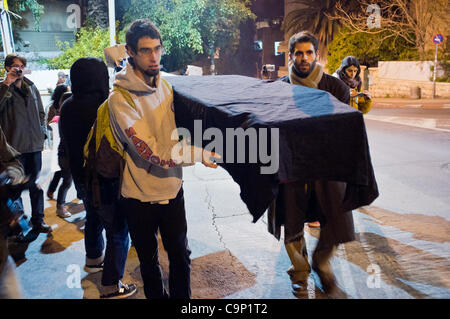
column 396, row 254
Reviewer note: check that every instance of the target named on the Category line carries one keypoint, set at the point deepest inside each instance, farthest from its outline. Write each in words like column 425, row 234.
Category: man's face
column 147, row 57
column 16, row 65
column 61, row 79
column 304, row 57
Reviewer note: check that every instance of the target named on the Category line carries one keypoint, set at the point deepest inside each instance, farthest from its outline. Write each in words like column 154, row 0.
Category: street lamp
column 7, row 35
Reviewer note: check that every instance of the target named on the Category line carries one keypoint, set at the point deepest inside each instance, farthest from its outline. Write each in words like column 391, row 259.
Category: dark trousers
column 64, row 188
column 32, row 163
column 320, row 200
column 113, row 220
column 144, row 221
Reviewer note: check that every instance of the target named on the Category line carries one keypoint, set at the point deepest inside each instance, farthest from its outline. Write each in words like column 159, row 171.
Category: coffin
column 314, row 135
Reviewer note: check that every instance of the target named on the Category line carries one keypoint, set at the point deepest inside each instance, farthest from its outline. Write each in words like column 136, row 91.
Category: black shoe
column 42, row 228
column 123, row 291
column 50, row 195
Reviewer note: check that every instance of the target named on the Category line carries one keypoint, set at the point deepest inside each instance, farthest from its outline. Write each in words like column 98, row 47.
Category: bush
column 90, row 42
column 368, row 49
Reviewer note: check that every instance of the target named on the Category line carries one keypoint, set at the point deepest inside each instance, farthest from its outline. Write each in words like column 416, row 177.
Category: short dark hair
column 9, row 60
column 141, row 28
column 303, row 36
column 57, row 93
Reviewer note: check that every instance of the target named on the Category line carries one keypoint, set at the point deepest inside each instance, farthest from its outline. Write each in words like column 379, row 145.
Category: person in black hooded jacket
column 90, row 88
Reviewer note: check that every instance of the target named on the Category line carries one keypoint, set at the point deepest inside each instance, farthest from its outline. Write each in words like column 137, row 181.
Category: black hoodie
column 90, row 88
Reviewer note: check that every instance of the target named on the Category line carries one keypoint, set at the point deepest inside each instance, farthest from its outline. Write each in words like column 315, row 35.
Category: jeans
column 113, row 220
column 144, row 221
column 32, row 163
column 64, row 188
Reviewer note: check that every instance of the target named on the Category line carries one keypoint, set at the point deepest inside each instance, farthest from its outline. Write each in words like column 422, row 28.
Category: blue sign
column 438, row 38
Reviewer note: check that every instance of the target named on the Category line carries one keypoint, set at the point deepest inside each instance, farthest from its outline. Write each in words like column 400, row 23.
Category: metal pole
column 434, row 72
column 6, row 30
column 112, row 22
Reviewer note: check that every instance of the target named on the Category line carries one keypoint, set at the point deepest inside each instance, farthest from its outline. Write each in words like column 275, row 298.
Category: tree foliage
column 21, row 6
column 412, row 20
column 192, row 27
column 314, row 16
column 18, row 7
column 89, row 42
column 368, row 49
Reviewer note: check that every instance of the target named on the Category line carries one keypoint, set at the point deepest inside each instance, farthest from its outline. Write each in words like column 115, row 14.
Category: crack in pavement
column 234, row 215
column 211, row 209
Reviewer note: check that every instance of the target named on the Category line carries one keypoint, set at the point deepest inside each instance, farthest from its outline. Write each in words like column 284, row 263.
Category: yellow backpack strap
column 88, row 140
column 126, row 94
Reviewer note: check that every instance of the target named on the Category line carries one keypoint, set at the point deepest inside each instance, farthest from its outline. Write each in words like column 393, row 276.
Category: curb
column 415, row 122
column 436, row 104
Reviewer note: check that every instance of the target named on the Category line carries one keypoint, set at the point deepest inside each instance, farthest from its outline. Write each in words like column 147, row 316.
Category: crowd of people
column 147, row 196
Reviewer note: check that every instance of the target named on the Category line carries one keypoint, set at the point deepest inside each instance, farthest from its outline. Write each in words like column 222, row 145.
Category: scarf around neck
column 311, row 81
column 352, row 83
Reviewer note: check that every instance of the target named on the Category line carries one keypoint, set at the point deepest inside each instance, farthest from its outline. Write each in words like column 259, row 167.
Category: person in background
column 54, row 108
column 90, row 88
column 22, row 119
column 58, row 158
column 349, row 73
column 62, row 78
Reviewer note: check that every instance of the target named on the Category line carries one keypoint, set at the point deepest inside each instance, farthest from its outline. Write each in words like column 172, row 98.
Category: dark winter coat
column 324, row 199
column 22, row 116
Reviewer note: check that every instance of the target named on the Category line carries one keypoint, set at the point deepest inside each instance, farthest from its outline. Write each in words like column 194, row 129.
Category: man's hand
column 367, row 94
column 209, row 159
column 11, row 77
column 16, row 175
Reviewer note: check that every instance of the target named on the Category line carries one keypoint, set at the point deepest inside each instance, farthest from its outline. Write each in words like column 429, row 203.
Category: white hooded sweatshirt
column 150, row 174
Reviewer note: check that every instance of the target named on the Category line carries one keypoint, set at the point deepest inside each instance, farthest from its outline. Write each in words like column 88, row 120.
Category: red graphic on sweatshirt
column 145, row 151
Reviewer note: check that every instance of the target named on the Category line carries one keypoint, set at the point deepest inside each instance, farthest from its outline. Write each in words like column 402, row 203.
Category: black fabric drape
column 320, row 138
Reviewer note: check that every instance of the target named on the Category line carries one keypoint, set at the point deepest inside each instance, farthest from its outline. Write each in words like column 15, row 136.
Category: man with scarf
column 301, row 201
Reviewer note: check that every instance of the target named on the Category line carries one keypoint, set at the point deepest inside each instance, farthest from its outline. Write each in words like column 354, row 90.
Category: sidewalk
column 411, row 103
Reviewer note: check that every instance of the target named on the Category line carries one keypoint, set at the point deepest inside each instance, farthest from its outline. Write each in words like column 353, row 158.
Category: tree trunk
column 420, row 45
column 211, row 55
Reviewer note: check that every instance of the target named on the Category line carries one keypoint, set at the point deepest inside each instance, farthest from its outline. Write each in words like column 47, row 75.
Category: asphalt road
column 412, row 164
